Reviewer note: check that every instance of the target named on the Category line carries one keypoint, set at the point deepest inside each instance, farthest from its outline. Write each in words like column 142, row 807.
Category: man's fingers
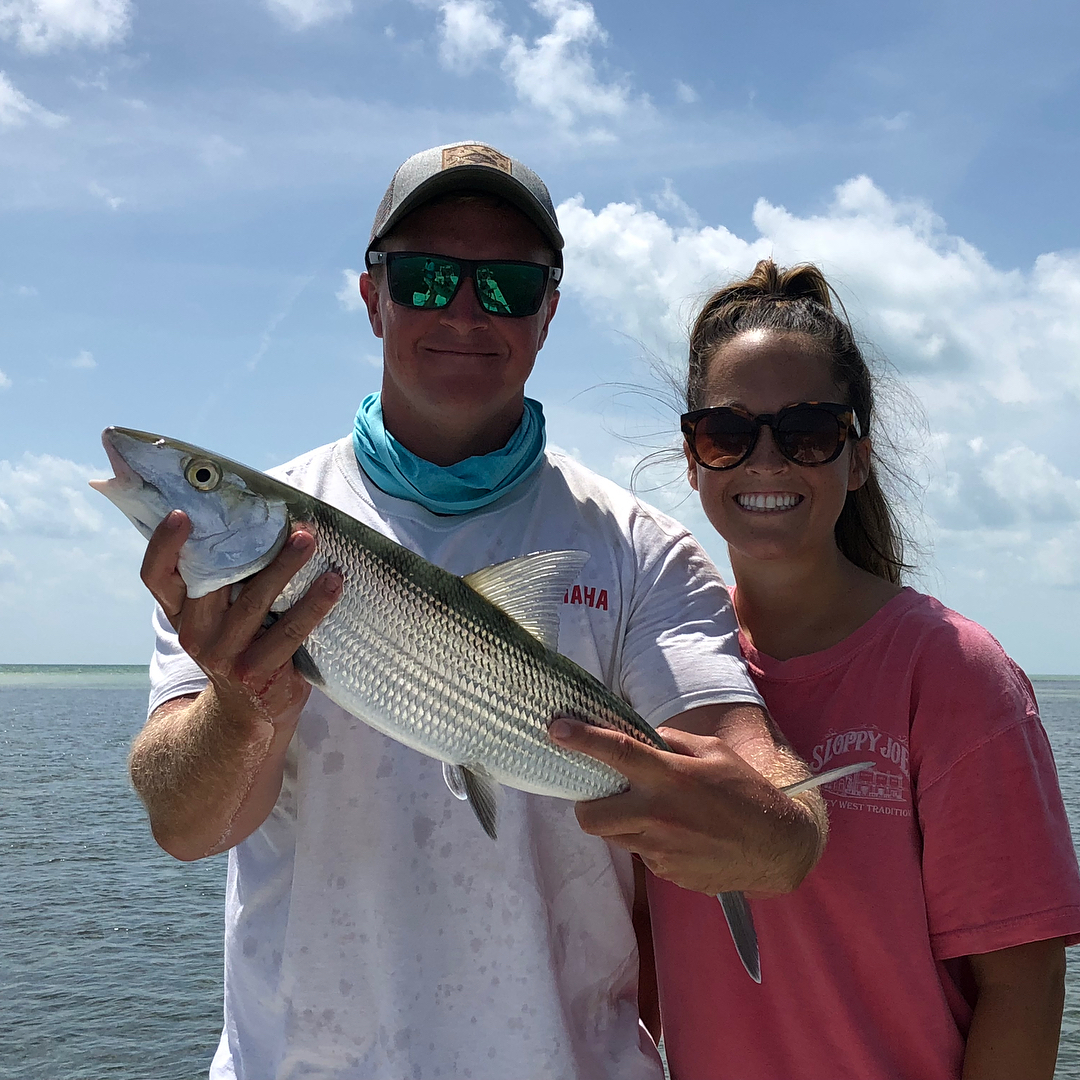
column 159, row 573
column 198, row 629
column 690, row 744
column 624, row 754
column 276, row 647
column 620, row 819
column 249, row 610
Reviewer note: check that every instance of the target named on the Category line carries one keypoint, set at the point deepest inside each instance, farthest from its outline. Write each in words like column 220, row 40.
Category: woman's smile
column 767, row 501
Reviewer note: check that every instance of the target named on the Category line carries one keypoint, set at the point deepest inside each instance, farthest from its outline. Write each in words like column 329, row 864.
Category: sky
column 186, row 192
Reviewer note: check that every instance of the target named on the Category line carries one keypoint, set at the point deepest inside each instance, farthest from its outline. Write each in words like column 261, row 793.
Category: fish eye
column 203, row 475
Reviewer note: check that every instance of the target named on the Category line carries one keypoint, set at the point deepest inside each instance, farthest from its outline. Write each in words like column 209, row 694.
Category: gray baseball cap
column 466, row 166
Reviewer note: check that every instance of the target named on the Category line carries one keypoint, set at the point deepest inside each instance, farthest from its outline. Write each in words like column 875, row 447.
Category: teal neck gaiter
column 450, row 489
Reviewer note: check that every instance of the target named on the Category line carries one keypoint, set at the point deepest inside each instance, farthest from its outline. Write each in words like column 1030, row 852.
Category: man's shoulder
column 599, row 498
column 308, row 471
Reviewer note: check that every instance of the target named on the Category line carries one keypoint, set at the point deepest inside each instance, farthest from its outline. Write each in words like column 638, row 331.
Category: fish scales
column 418, row 654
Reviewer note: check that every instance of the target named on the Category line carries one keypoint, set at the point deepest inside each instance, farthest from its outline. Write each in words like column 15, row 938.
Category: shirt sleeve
column 172, row 672
column 681, row 648
column 999, row 866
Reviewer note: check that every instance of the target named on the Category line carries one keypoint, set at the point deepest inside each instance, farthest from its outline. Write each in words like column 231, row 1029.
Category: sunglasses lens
column 423, row 281
column 510, row 288
column 809, row 436
column 723, row 437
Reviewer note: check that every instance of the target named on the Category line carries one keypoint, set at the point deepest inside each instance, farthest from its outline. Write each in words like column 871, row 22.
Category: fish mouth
column 123, row 488
column 126, row 477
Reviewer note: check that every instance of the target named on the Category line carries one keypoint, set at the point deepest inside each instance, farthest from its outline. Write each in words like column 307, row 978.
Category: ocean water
column 110, row 951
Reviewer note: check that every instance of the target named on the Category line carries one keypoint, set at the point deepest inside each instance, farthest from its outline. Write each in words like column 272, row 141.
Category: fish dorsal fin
column 825, row 778
column 530, row 589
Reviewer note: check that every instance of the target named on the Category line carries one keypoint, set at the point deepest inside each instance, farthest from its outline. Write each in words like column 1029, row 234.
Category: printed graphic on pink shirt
column 883, row 789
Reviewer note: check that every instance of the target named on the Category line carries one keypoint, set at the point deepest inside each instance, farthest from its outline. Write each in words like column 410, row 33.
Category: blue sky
column 185, row 189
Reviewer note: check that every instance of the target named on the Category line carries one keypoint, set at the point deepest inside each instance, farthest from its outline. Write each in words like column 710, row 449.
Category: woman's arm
column 1017, row 1023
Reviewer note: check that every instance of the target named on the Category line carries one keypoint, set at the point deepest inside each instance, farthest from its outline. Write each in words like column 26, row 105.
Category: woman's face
column 769, row 507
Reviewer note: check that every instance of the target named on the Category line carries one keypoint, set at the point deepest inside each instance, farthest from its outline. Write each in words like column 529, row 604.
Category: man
column 372, row 929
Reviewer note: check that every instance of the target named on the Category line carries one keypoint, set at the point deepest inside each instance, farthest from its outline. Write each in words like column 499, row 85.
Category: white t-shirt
column 372, row 929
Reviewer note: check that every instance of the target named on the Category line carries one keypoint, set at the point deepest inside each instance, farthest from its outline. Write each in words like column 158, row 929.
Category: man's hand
column 250, row 668
column 698, row 816
column 209, row 768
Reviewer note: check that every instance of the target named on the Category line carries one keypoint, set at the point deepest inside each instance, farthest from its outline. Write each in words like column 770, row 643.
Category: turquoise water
column 110, row 951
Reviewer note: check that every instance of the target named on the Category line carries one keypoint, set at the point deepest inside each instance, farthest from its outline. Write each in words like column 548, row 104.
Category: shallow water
column 110, row 951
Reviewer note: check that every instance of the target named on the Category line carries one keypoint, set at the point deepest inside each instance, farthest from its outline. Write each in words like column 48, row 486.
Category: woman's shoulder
column 959, row 667
column 945, row 636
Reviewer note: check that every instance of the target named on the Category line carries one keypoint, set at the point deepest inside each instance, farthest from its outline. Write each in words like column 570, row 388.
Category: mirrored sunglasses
column 809, row 433
column 423, row 281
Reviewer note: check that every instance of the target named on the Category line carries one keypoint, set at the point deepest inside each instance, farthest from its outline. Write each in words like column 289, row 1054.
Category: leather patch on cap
column 475, row 154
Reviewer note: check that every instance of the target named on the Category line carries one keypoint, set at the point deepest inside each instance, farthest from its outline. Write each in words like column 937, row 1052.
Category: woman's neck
column 789, row 607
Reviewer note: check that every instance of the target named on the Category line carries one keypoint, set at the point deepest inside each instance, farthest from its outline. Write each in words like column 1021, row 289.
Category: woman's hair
column 798, row 300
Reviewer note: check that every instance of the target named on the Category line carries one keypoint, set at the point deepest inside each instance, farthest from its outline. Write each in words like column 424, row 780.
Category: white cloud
column 1034, row 486
column 301, row 14
column 217, row 152
column 114, row 202
column 349, row 294
column 16, row 109
column 84, row 361
column 930, row 300
column 468, row 32
column 5, row 382
column 555, row 73
column 39, row 26
column 47, row 496
column 994, row 354
column 686, row 93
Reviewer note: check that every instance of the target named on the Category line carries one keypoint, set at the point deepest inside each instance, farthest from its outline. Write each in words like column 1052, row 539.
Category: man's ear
column 369, row 290
column 552, row 304
column 691, row 466
column 859, row 466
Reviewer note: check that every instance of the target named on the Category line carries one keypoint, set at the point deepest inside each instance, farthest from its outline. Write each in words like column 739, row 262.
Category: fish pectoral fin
column 307, row 667
column 301, row 659
column 825, row 777
column 455, row 781
column 481, row 791
column 740, row 922
column 530, row 589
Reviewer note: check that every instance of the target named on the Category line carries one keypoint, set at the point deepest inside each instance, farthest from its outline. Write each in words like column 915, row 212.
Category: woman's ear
column 691, row 466
column 859, row 466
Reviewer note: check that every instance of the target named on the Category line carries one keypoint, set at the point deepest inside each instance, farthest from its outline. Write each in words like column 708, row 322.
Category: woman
column 929, row 941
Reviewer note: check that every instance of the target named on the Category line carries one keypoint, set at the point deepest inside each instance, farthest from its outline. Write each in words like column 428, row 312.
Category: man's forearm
column 803, row 822
column 208, row 776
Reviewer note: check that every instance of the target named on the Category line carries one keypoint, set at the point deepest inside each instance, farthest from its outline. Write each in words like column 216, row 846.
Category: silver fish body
column 435, row 661
column 422, row 656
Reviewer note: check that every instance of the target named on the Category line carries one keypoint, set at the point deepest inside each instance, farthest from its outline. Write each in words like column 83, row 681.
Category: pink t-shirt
column 956, row 842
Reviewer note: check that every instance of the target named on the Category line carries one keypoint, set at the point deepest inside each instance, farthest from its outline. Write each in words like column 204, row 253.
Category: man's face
column 454, row 377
